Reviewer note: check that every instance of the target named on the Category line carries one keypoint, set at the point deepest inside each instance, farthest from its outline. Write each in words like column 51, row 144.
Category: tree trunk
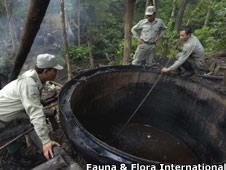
column 154, row 3
column 91, row 60
column 148, row 2
column 180, row 14
column 65, row 42
column 78, row 24
column 174, row 8
column 35, row 16
column 194, row 11
column 207, row 16
column 12, row 30
column 127, row 28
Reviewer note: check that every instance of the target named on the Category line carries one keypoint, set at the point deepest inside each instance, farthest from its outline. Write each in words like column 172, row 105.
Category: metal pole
column 142, row 102
column 140, row 105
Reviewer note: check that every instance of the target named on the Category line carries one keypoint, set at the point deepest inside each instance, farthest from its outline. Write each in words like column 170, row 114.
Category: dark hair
column 40, row 70
column 187, row 29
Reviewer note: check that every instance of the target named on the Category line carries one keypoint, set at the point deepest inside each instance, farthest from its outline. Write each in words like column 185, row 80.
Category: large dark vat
column 181, row 121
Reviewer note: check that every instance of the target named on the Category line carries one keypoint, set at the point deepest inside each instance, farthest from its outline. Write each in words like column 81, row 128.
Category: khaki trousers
column 144, row 54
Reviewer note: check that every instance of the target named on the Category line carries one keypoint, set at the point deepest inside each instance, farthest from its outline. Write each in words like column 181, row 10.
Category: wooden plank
column 55, row 163
column 61, row 161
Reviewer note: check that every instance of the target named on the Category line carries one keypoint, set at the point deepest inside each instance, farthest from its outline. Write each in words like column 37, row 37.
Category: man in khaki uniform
column 192, row 57
column 148, row 32
column 21, row 99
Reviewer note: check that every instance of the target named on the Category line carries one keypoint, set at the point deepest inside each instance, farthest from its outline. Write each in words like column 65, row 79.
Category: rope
column 142, row 102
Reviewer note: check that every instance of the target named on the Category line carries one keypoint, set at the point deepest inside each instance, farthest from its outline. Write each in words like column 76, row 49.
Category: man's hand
column 164, row 70
column 140, row 41
column 48, row 149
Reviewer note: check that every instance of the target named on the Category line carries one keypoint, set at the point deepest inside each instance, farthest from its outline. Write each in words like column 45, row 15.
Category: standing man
column 192, row 56
column 21, row 99
column 148, row 32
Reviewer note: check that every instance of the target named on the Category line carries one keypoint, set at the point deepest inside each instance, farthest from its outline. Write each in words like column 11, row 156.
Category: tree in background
column 180, row 14
column 208, row 19
column 99, row 28
column 127, row 30
column 65, row 41
column 35, row 16
column 9, row 5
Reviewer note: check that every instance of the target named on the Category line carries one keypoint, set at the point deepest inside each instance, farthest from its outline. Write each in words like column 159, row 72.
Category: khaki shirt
column 23, row 96
column 192, row 50
column 149, row 31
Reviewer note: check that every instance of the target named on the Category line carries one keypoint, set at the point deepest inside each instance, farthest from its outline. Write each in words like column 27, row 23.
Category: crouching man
column 21, row 99
column 192, row 57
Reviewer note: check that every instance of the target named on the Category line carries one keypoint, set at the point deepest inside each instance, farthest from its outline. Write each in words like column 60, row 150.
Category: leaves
column 78, row 52
column 102, row 23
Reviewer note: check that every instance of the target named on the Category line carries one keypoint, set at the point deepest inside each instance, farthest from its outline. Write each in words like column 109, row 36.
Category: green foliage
column 102, row 24
column 211, row 36
column 76, row 53
column 168, row 44
column 119, row 52
column 209, row 41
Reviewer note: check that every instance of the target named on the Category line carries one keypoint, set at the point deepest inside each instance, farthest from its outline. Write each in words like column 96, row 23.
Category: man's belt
column 150, row 43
